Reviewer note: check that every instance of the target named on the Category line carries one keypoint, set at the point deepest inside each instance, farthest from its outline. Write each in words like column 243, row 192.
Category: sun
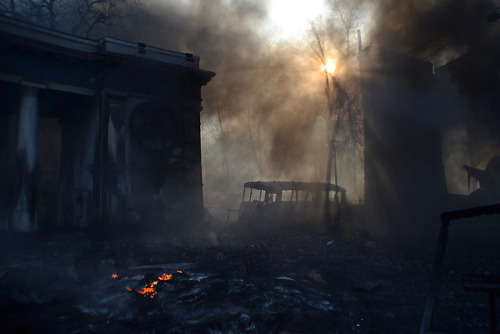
column 330, row 66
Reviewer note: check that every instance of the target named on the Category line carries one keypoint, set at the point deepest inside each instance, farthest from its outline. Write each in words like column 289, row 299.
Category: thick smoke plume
column 441, row 31
column 435, row 30
column 261, row 116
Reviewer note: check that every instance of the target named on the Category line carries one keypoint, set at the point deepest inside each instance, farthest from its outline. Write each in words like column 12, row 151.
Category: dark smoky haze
column 262, row 111
column 413, row 98
column 459, row 40
column 264, row 114
column 437, row 31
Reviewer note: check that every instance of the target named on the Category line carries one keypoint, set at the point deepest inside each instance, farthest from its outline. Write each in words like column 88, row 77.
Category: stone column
column 24, row 206
column 65, row 208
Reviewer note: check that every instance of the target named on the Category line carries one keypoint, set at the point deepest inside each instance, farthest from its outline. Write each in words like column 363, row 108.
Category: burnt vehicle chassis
column 313, row 205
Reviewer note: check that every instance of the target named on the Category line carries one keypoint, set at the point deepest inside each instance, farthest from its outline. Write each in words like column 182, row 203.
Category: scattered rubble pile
column 295, row 284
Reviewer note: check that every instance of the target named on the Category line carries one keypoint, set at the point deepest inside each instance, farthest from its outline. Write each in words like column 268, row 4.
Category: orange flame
column 149, row 289
column 114, row 276
column 165, row 277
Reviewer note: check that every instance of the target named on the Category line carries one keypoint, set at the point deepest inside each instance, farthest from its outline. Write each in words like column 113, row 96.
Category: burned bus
column 314, row 205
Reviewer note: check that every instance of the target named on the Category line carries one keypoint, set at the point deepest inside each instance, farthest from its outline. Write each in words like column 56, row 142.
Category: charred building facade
column 405, row 186
column 422, row 127
column 96, row 132
column 469, row 103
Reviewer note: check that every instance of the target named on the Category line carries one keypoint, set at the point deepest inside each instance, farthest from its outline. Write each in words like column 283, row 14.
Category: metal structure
column 291, row 202
column 483, row 283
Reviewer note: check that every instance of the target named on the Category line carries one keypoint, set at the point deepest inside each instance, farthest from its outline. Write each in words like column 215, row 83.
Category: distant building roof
column 56, row 60
column 28, row 31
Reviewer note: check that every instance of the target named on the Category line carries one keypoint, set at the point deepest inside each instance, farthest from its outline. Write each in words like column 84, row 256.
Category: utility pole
column 332, row 158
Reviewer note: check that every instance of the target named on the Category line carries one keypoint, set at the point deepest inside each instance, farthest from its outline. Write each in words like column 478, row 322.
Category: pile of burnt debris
column 76, row 283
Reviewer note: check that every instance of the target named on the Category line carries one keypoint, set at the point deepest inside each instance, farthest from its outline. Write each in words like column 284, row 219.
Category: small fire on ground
column 149, row 290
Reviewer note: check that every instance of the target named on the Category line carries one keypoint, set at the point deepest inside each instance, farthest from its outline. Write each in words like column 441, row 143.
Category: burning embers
column 165, row 277
column 149, row 290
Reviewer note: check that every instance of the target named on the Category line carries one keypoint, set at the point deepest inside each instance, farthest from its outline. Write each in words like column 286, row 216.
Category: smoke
column 441, row 31
column 260, row 118
column 435, row 30
column 262, row 112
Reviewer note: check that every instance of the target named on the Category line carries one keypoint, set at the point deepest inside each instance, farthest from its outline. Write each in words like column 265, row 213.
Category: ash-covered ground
column 224, row 282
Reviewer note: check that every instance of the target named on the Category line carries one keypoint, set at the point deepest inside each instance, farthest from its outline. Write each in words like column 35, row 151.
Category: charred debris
column 101, row 166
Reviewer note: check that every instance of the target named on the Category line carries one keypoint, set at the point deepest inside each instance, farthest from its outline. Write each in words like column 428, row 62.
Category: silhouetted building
column 96, row 132
column 404, row 176
column 469, row 103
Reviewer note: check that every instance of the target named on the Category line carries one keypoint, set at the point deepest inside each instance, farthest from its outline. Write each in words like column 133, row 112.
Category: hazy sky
column 288, row 18
column 291, row 17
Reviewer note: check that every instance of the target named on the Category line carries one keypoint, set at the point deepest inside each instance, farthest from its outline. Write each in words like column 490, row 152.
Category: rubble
column 293, row 284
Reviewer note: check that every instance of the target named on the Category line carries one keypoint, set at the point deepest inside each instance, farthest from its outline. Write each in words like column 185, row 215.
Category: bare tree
column 81, row 17
column 333, row 38
column 94, row 13
column 42, row 12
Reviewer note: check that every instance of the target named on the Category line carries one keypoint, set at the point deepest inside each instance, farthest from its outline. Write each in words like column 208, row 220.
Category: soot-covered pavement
column 220, row 283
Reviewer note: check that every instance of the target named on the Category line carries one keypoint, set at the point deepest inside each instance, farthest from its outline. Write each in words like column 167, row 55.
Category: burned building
column 405, row 185
column 469, row 102
column 422, row 126
column 96, row 133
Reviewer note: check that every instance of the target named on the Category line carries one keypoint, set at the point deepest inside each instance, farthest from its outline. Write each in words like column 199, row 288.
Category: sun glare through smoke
column 329, row 66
